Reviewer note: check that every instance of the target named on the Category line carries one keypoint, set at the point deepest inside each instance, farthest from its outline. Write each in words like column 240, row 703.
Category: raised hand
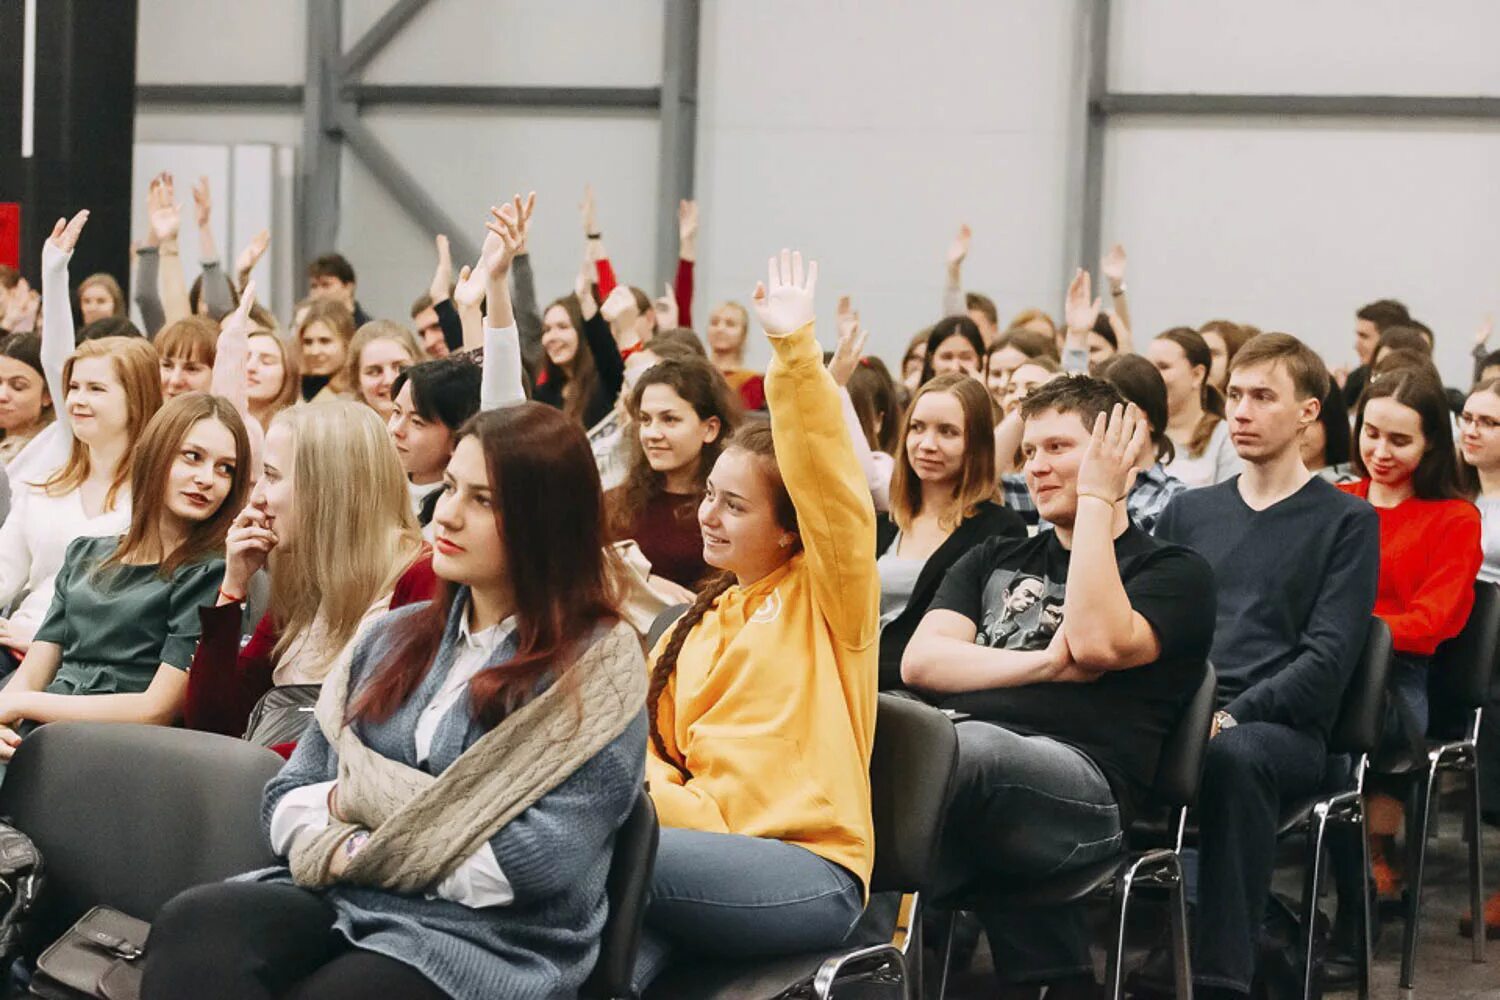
column 1082, row 309
column 1486, row 330
column 527, row 209
column 65, row 232
column 202, row 202
column 618, row 305
column 667, row 312
column 784, row 302
column 687, row 229
column 584, row 290
column 851, row 345
column 164, row 212
column 251, row 255
column 507, row 227
column 1113, row 266
column 472, row 282
column 1108, row 469
column 239, row 321
column 958, row 250
column 442, row 274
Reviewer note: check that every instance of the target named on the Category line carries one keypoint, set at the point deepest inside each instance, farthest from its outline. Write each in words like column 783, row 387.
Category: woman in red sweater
column 684, row 412
column 1429, row 555
column 332, row 518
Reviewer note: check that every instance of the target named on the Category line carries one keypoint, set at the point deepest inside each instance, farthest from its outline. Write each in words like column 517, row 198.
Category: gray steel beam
column 501, row 98
column 379, row 36
column 1090, row 242
column 318, row 197
column 1285, row 105
column 679, row 126
column 218, row 94
column 404, row 189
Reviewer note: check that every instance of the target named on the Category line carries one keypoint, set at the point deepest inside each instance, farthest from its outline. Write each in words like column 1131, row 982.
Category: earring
column 783, row 541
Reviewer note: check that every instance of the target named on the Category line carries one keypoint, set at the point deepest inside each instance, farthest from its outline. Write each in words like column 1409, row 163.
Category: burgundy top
column 667, row 532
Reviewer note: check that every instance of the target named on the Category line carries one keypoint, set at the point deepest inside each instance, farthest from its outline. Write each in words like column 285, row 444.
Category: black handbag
column 99, row 958
column 282, row 714
column 21, row 877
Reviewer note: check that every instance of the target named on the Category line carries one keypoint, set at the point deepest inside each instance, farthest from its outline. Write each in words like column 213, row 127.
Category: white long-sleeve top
column 48, row 451
column 34, row 540
column 502, row 382
column 478, row 881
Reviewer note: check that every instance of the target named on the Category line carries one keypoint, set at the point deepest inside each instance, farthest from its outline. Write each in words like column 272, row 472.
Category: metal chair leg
column 1182, row 956
column 916, row 958
column 1416, row 861
column 1114, row 974
column 1367, row 919
column 945, row 947
column 1476, row 860
column 1312, row 885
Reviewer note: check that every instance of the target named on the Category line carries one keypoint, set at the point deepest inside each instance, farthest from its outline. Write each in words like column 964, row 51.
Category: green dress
column 118, row 627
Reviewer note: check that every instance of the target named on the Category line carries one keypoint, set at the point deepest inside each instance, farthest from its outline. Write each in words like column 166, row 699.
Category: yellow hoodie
column 772, row 704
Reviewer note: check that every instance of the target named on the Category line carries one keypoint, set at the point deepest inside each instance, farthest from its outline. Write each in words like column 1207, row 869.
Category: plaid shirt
column 1152, row 491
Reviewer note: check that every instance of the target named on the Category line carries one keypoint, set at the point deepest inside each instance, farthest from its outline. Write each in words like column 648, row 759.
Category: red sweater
column 225, row 681
column 1429, row 556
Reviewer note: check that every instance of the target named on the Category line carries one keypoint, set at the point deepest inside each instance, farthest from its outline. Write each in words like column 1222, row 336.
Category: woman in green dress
column 117, row 640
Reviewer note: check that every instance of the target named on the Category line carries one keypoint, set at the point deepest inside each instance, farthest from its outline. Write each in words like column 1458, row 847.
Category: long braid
column 666, row 662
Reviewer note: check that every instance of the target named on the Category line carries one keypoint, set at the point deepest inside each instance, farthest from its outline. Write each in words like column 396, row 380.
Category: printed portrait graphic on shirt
column 1021, row 611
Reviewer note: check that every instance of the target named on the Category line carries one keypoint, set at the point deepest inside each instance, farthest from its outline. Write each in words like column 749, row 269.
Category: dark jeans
column 1249, row 773
column 1026, row 808
column 734, row 896
column 255, row 940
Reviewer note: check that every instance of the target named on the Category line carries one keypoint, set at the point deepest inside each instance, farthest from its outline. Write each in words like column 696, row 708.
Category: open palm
column 784, row 303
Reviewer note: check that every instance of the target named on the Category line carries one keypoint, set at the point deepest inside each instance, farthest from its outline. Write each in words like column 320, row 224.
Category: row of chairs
column 129, row 816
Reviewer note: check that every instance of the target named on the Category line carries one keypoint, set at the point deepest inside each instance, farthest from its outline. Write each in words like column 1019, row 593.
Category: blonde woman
column 323, row 335
column 334, row 565
column 728, row 329
column 100, row 297
column 379, row 352
column 272, row 378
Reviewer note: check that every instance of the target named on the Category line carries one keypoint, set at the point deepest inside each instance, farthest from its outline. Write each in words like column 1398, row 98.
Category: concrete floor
column 1445, row 970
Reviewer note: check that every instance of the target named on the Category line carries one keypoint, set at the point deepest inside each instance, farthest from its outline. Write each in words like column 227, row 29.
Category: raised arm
column 835, row 516
column 218, row 296
column 166, row 221
column 953, row 291
column 57, row 310
column 687, row 257
column 231, row 358
column 1079, row 313
column 502, row 383
column 1113, row 267
column 841, row 366
column 440, row 291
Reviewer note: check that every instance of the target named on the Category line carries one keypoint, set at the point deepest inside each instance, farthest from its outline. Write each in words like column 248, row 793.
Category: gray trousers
column 1026, row 808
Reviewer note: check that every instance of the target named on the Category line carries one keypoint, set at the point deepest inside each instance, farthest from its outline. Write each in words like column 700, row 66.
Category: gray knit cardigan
column 556, row 854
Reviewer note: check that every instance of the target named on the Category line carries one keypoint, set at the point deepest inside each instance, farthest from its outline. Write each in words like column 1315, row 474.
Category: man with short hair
column 332, row 276
column 1296, row 561
column 1369, row 323
column 1074, row 651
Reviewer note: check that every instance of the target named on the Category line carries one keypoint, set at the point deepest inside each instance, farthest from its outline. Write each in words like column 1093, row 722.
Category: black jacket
column 989, row 520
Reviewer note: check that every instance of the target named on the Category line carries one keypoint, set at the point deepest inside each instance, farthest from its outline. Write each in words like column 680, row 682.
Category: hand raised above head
column 851, row 345
column 784, row 303
column 959, row 248
column 65, row 232
column 1113, row 265
column 1082, row 309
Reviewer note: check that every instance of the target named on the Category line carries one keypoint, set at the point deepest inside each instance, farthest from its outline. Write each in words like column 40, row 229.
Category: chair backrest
column 1362, row 709
column 129, row 816
column 1463, row 666
column 629, row 878
column 1179, row 769
column 911, row 774
column 661, row 623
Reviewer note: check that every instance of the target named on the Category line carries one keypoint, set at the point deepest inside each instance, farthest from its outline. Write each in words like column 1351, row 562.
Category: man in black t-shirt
column 1074, row 651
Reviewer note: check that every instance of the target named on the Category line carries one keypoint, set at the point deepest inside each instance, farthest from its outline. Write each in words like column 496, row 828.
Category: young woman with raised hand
column 1429, row 556
column 379, row 352
column 26, row 407
column 447, row 822
column 1195, row 409
column 942, row 501
column 728, row 332
column 433, row 400
column 272, row 379
column 123, row 620
column 684, row 412
column 582, row 372
column 334, row 565
column 323, row 335
column 77, row 481
column 762, row 696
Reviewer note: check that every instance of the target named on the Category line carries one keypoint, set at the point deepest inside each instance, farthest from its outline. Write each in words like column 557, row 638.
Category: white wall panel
column 193, row 41
column 1294, row 226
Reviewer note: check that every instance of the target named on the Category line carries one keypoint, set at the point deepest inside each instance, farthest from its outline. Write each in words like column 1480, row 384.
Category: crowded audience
column 419, row 556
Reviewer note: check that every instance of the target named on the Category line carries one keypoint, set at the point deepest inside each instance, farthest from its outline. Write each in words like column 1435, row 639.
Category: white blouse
column 1218, row 462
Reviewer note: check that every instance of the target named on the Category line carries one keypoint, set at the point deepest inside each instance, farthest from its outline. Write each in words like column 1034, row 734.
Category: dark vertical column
column 82, row 130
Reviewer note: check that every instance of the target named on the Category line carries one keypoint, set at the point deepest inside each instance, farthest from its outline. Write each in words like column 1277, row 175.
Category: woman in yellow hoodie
column 762, row 697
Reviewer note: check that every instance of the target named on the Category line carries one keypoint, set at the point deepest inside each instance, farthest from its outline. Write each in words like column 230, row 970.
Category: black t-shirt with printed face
column 1012, row 590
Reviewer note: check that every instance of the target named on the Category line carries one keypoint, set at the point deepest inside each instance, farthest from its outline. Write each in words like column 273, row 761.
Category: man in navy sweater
column 1296, row 562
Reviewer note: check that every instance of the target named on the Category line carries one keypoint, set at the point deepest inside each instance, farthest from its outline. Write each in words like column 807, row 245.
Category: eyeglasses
column 1467, row 419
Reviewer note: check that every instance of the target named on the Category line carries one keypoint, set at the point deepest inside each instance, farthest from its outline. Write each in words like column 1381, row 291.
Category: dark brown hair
column 753, row 437
column 1199, row 356
column 1233, row 334
column 1384, row 313
column 877, row 403
column 1028, row 342
column 585, row 377
column 983, row 305
column 1401, row 337
column 332, row 265
column 977, row 475
column 1436, row 476
column 703, row 388
column 952, row 326
column 192, row 338
column 549, row 512
column 1084, row 395
column 1140, row 383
